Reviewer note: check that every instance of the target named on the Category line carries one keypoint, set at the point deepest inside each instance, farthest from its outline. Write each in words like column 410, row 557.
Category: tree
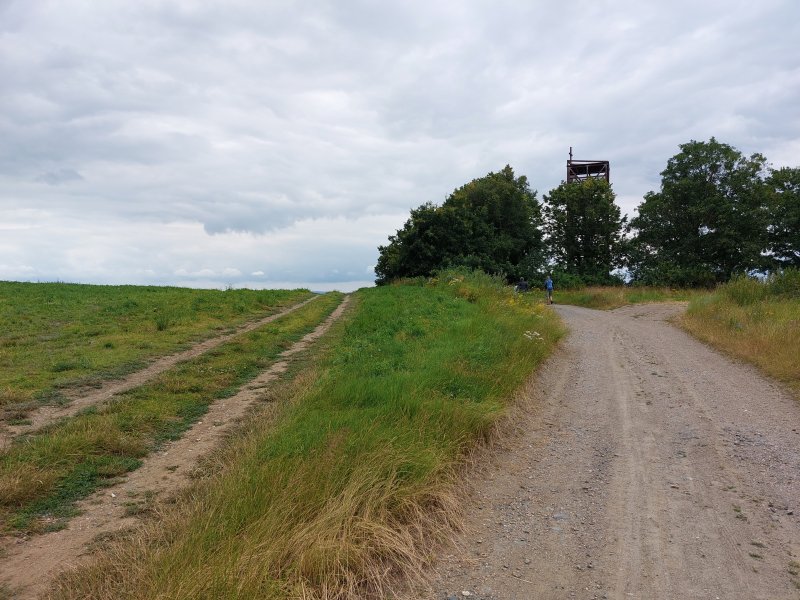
column 783, row 231
column 426, row 242
column 491, row 223
column 706, row 223
column 584, row 229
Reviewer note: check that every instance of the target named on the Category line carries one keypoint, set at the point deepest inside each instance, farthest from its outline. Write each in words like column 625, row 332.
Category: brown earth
column 649, row 466
column 80, row 399
column 29, row 565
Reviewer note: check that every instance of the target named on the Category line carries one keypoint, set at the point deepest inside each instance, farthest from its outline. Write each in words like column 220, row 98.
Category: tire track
column 28, row 566
column 46, row 415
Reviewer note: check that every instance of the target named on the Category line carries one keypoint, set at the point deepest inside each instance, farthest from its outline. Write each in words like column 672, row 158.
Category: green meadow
column 42, row 474
column 55, row 335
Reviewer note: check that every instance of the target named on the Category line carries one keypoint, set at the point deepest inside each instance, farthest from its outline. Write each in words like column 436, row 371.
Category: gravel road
column 650, row 467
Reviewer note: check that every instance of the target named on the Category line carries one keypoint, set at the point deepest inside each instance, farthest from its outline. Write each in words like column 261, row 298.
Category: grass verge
column 42, row 475
column 758, row 321
column 58, row 335
column 607, row 298
column 350, row 483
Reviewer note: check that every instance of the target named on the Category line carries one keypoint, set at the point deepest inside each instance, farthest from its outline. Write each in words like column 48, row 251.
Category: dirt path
column 46, row 415
column 650, row 467
column 27, row 566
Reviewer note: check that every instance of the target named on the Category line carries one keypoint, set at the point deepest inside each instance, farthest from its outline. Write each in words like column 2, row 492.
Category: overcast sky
column 277, row 144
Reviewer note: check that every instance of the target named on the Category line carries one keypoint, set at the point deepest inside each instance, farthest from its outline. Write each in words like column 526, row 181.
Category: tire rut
column 46, row 415
column 28, row 565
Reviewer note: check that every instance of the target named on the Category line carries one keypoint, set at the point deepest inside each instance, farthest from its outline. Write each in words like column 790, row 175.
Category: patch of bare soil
column 80, row 399
column 28, row 565
column 650, row 466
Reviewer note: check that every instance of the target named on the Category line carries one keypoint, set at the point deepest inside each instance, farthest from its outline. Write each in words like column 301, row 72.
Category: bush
column 785, row 284
column 744, row 290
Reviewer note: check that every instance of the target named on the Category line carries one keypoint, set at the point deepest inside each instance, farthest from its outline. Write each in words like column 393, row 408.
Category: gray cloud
column 59, row 176
column 244, row 121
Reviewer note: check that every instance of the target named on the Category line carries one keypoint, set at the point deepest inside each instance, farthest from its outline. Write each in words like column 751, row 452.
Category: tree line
column 717, row 213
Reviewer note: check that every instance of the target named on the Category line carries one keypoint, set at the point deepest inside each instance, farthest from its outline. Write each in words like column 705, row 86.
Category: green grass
column 57, row 335
column 44, row 474
column 347, row 486
column 753, row 320
column 607, row 298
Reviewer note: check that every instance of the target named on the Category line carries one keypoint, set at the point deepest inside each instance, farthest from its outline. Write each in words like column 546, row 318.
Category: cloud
column 312, row 253
column 244, row 121
column 59, row 176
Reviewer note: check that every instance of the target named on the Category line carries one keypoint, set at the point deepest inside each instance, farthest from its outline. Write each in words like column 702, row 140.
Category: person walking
column 548, row 286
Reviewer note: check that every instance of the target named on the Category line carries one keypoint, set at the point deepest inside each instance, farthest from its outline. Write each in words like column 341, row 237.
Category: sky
column 278, row 144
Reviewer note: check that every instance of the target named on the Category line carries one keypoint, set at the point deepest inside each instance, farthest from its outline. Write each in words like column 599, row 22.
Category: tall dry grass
column 610, row 297
column 758, row 321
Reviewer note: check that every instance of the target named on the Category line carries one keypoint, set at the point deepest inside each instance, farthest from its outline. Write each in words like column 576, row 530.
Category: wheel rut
column 29, row 565
column 46, row 415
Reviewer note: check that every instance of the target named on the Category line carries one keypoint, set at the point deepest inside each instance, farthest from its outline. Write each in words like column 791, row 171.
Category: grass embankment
column 42, row 475
column 753, row 320
column 356, row 474
column 58, row 335
column 607, row 298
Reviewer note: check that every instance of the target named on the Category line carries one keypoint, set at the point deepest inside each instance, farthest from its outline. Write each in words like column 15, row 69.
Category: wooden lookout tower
column 581, row 170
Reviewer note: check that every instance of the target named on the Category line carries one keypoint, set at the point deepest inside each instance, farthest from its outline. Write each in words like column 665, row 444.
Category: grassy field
column 353, row 478
column 753, row 320
column 57, row 335
column 43, row 474
column 606, row 298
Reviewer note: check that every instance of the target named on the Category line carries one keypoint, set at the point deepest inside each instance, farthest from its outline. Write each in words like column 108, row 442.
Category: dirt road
column 650, row 467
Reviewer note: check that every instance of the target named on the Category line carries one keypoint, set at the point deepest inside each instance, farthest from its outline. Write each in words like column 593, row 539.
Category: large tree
column 783, row 234
column 707, row 222
column 583, row 228
column 491, row 223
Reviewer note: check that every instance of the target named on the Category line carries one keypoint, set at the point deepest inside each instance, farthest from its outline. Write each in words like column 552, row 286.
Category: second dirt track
column 650, row 467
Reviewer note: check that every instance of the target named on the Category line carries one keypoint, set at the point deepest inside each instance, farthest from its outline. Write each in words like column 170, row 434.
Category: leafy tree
column 424, row 244
column 491, row 223
column 584, row 229
column 706, row 223
column 783, row 231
